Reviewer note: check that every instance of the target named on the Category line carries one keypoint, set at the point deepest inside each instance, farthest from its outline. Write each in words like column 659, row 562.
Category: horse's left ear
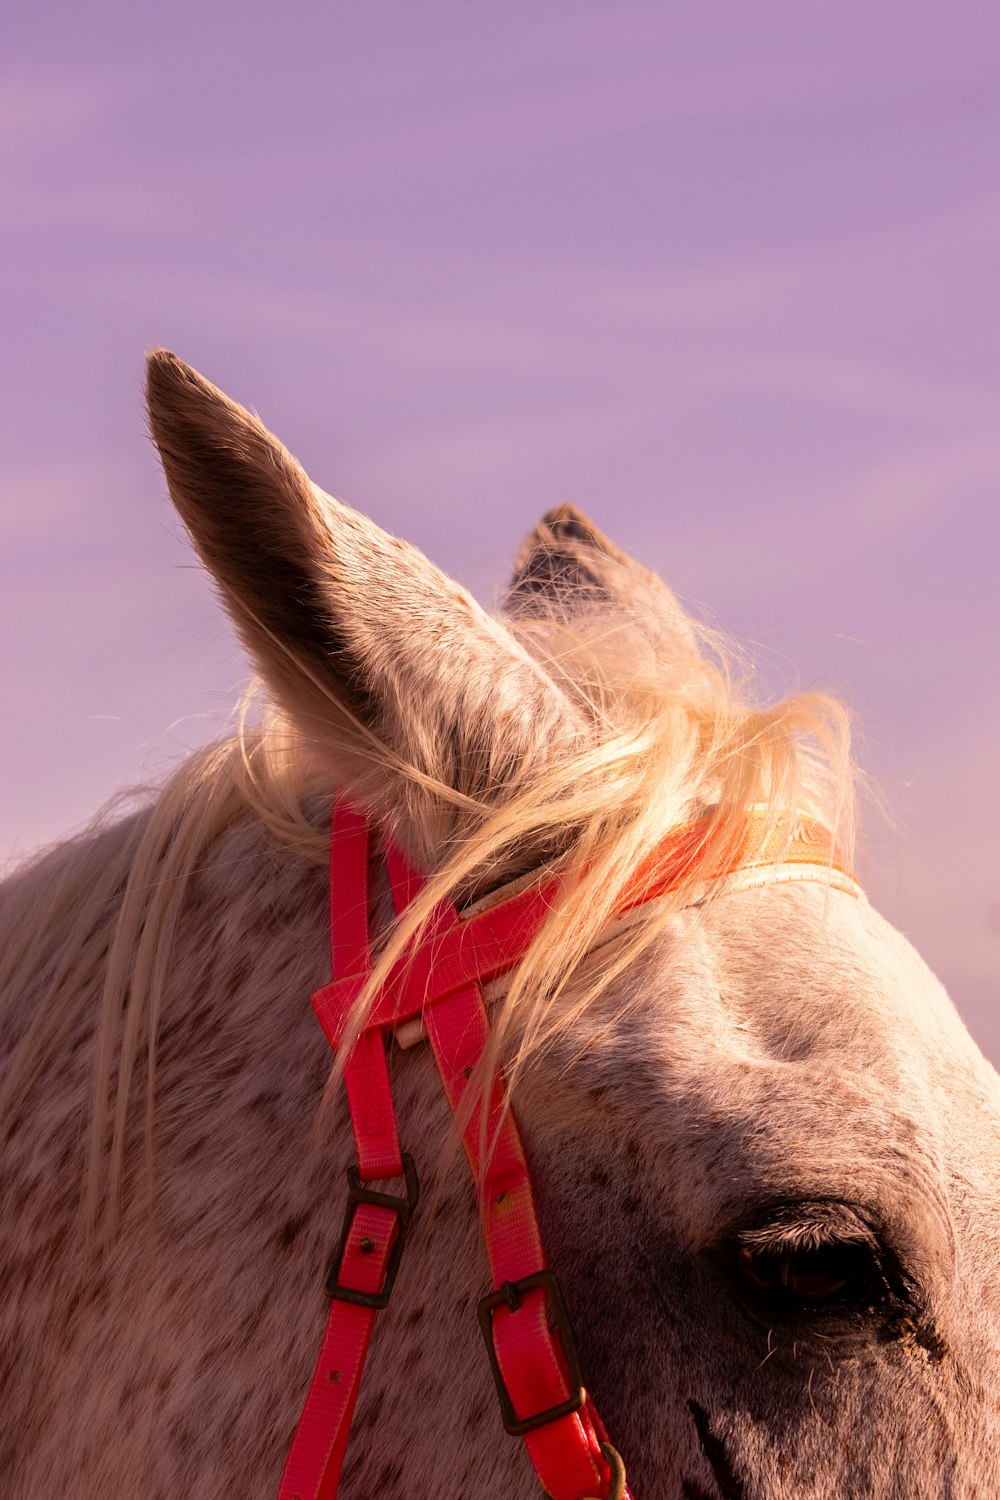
column 565, row 555
column 567, row 567
column 417, row 700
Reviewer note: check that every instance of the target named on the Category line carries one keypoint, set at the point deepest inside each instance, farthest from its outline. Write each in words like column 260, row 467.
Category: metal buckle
column 613, row 1459
column 402, row 1207
column 509, row 1295
column 617, row 1467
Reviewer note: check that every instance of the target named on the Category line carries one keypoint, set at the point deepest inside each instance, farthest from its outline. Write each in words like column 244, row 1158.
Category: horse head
column 765, row 1150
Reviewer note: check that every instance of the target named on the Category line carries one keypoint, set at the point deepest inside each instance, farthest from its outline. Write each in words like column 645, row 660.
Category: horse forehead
column 797, row 1015
column 787, row 1044
column 803, row 972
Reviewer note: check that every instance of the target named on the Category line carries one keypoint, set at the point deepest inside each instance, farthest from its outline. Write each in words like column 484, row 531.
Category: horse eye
column 834, row 1272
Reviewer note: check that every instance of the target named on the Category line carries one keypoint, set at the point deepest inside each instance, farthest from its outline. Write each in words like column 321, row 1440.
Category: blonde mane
column 96, row 923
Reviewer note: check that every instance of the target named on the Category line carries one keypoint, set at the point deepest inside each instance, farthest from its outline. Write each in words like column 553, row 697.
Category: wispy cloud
column 918, row 483
column 38, row 112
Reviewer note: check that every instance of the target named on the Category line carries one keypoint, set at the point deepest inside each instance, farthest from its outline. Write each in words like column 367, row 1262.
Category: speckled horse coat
column 767, row 1156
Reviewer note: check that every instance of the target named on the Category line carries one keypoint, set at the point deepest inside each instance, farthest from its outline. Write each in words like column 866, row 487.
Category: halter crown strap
column 529, row 1339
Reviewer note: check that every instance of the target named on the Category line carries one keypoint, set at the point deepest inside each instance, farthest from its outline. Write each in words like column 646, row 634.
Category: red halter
column 528, row 1335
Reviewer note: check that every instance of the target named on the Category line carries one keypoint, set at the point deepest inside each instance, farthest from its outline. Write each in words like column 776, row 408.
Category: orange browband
column 452, row 951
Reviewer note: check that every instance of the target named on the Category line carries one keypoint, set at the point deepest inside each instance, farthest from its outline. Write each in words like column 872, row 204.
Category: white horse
column 765, row 1150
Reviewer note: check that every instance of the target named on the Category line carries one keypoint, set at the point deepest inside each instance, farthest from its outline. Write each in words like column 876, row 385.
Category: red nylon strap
column 440, row 978
column 366, row 1076
column 312, row 1470
column 565, row 1452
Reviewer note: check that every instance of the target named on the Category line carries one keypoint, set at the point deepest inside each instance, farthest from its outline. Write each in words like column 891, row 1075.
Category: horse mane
column 91, row 927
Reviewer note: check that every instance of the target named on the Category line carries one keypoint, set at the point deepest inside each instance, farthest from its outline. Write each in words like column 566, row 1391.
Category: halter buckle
column 509, row 1295
column 613, row 1459
column 402, row 1207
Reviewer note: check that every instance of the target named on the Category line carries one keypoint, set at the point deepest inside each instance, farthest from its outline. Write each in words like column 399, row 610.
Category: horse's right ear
column 381, row 659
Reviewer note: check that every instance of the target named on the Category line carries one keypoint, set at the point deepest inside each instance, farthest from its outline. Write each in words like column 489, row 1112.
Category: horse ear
column 378, row 656
column 567, row 567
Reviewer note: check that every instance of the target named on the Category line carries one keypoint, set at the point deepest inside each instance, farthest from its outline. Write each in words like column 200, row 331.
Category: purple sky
column 727, row 276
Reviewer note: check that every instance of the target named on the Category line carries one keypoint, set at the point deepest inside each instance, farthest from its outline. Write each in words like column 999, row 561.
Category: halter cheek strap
column 535, row 1365
column 438, row 984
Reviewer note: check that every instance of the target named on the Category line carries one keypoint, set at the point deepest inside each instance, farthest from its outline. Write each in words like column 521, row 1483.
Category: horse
column 765, row 1150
